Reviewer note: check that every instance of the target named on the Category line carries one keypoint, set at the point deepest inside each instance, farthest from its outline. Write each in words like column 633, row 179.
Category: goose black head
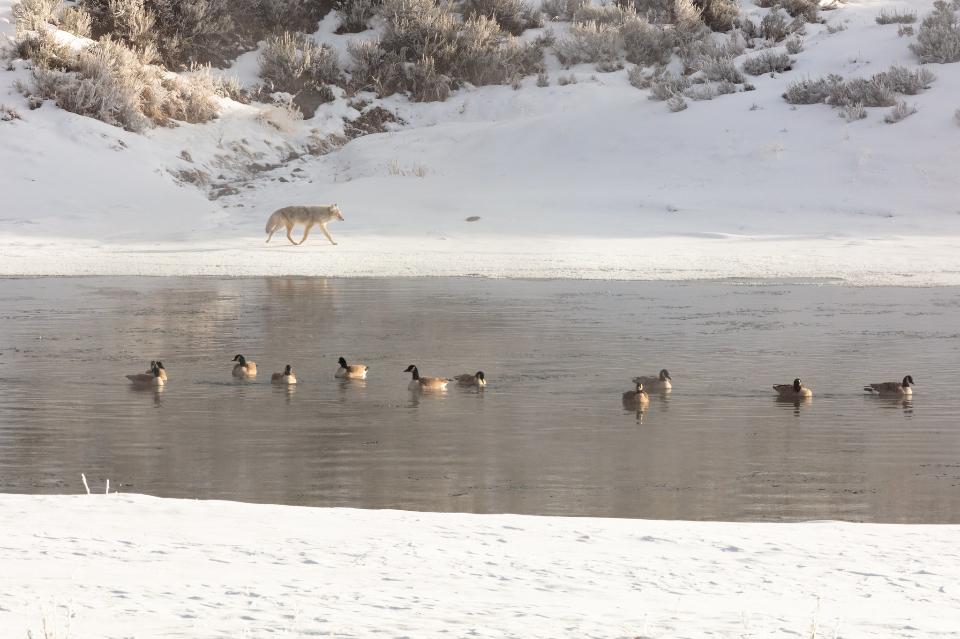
column 480, row 376
column 412, row 369
column 155, row 370
column 908, row 381
column 241, row 359
column 152, row 364
column 665, row 375
column 797, row 385
column 639, row 387
column 342, row 362
column 160, row 365
column 287, row 370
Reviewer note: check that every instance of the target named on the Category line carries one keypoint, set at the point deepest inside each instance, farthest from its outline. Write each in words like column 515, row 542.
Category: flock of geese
column 244, row 368
column 633, row 399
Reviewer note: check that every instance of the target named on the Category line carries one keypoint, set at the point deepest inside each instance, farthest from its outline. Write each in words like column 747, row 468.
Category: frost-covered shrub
column 903, row 80
column 872, row 92
column 808, row 91
column 676, row 103
column 719, row 15
column 8, row 113
column 773, row 27
column 701, row 92
column 75, row 21
column 939, row 36
column 794, row 45
column 721, row 69
column 32, row 15
column 645, row 43
column 356, row 14
column 427, row 52
column 767, row 62
column 560, row 9
column 807, row 9
column 601, row 13
column 878, row 90
column 900, row 111
column 564, row 80
column 896, row 17
column 589, row 42
column 543, row 80
column 107, row 81
column 904, row 30
column 688, row 25
column 667, row 85
column 638, row 77
column 43, row 49
column 291, row 62
column 513, row 16
column 853, row 112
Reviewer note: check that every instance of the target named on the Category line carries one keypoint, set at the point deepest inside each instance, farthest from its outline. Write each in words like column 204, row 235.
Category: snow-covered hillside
column 137, row 566
column 591, row 179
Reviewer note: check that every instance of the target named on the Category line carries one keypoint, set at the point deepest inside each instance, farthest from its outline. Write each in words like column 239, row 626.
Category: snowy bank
column 588, row 179
column 136, row 566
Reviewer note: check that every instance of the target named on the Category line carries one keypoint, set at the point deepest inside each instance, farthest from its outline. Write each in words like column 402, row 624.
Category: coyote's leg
column 290, row 237
column 323, row 227
column 271, row 233
column 306, row 231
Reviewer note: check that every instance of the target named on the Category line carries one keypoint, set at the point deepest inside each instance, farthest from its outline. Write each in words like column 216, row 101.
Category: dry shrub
column 34, row 15
column 939, row 36
column 355, row 15
column 513, row 16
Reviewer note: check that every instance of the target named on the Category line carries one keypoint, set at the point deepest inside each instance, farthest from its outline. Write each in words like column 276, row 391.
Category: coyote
column 309, row 216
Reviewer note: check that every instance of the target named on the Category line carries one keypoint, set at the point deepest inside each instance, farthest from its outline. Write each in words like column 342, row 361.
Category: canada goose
column 892, row 389
column 286, row 377
column 351, row 371
column 424, row 383
column 244, row 369
column 147, row 380
column 661, row 382
column 793, row 391
column 471, row 380
column 637, row 398
column 163, row 371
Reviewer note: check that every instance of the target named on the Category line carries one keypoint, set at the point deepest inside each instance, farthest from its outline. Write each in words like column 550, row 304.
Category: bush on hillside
column 292, row 63
column 667, row 85
column 939, row 36
column 879, row 90
column 896, row 17
column 596, row 42
column 900, row 111
column 645, row 43
column 76, row 21
column 767, row 62
column 33, row 15
column 513, row 16
column 807, row 9
column 107, row 81
column 355, row 15
column 719, row 15
column 773, row 27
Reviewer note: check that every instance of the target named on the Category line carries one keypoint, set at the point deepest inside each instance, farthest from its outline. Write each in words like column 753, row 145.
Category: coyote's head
column 335, row 211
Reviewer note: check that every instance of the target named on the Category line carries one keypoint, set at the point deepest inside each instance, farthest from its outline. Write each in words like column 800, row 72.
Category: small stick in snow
column 107, row 490
column 85, row 484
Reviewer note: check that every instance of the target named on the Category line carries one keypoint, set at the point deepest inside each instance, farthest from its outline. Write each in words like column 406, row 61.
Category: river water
column 547, row 436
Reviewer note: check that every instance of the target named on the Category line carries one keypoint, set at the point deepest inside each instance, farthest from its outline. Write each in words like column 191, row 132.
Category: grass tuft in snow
column 794, row 45
column 719, row 15
column 904, row 30
column 903, row 80
column 676, row 103
column 668, row 85
column 646, row 43
column 767, row 62
column 900, row 111
column 721, row 69
column 853, row 112
column 8, row 113
column 939, row 36
column 597, row 42
column 773, row 26
column 896, row 17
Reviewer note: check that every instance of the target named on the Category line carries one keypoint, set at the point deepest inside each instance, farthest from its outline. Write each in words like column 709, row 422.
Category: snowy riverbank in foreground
column 137, row 566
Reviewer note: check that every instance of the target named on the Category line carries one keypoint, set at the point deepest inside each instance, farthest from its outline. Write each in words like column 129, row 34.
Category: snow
column 585, row 180
column 137, row 566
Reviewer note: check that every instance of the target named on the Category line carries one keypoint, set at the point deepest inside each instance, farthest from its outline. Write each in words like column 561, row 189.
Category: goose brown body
column 424, row 383
column 656, row 383
column 793, row 391
column 244, row 368
column 286, row 377
column 892, row 389
column 351, row 371
column 478, row 379
column 636, row 398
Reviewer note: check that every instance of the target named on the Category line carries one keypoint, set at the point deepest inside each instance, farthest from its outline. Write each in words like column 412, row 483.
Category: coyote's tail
column 274, row 222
